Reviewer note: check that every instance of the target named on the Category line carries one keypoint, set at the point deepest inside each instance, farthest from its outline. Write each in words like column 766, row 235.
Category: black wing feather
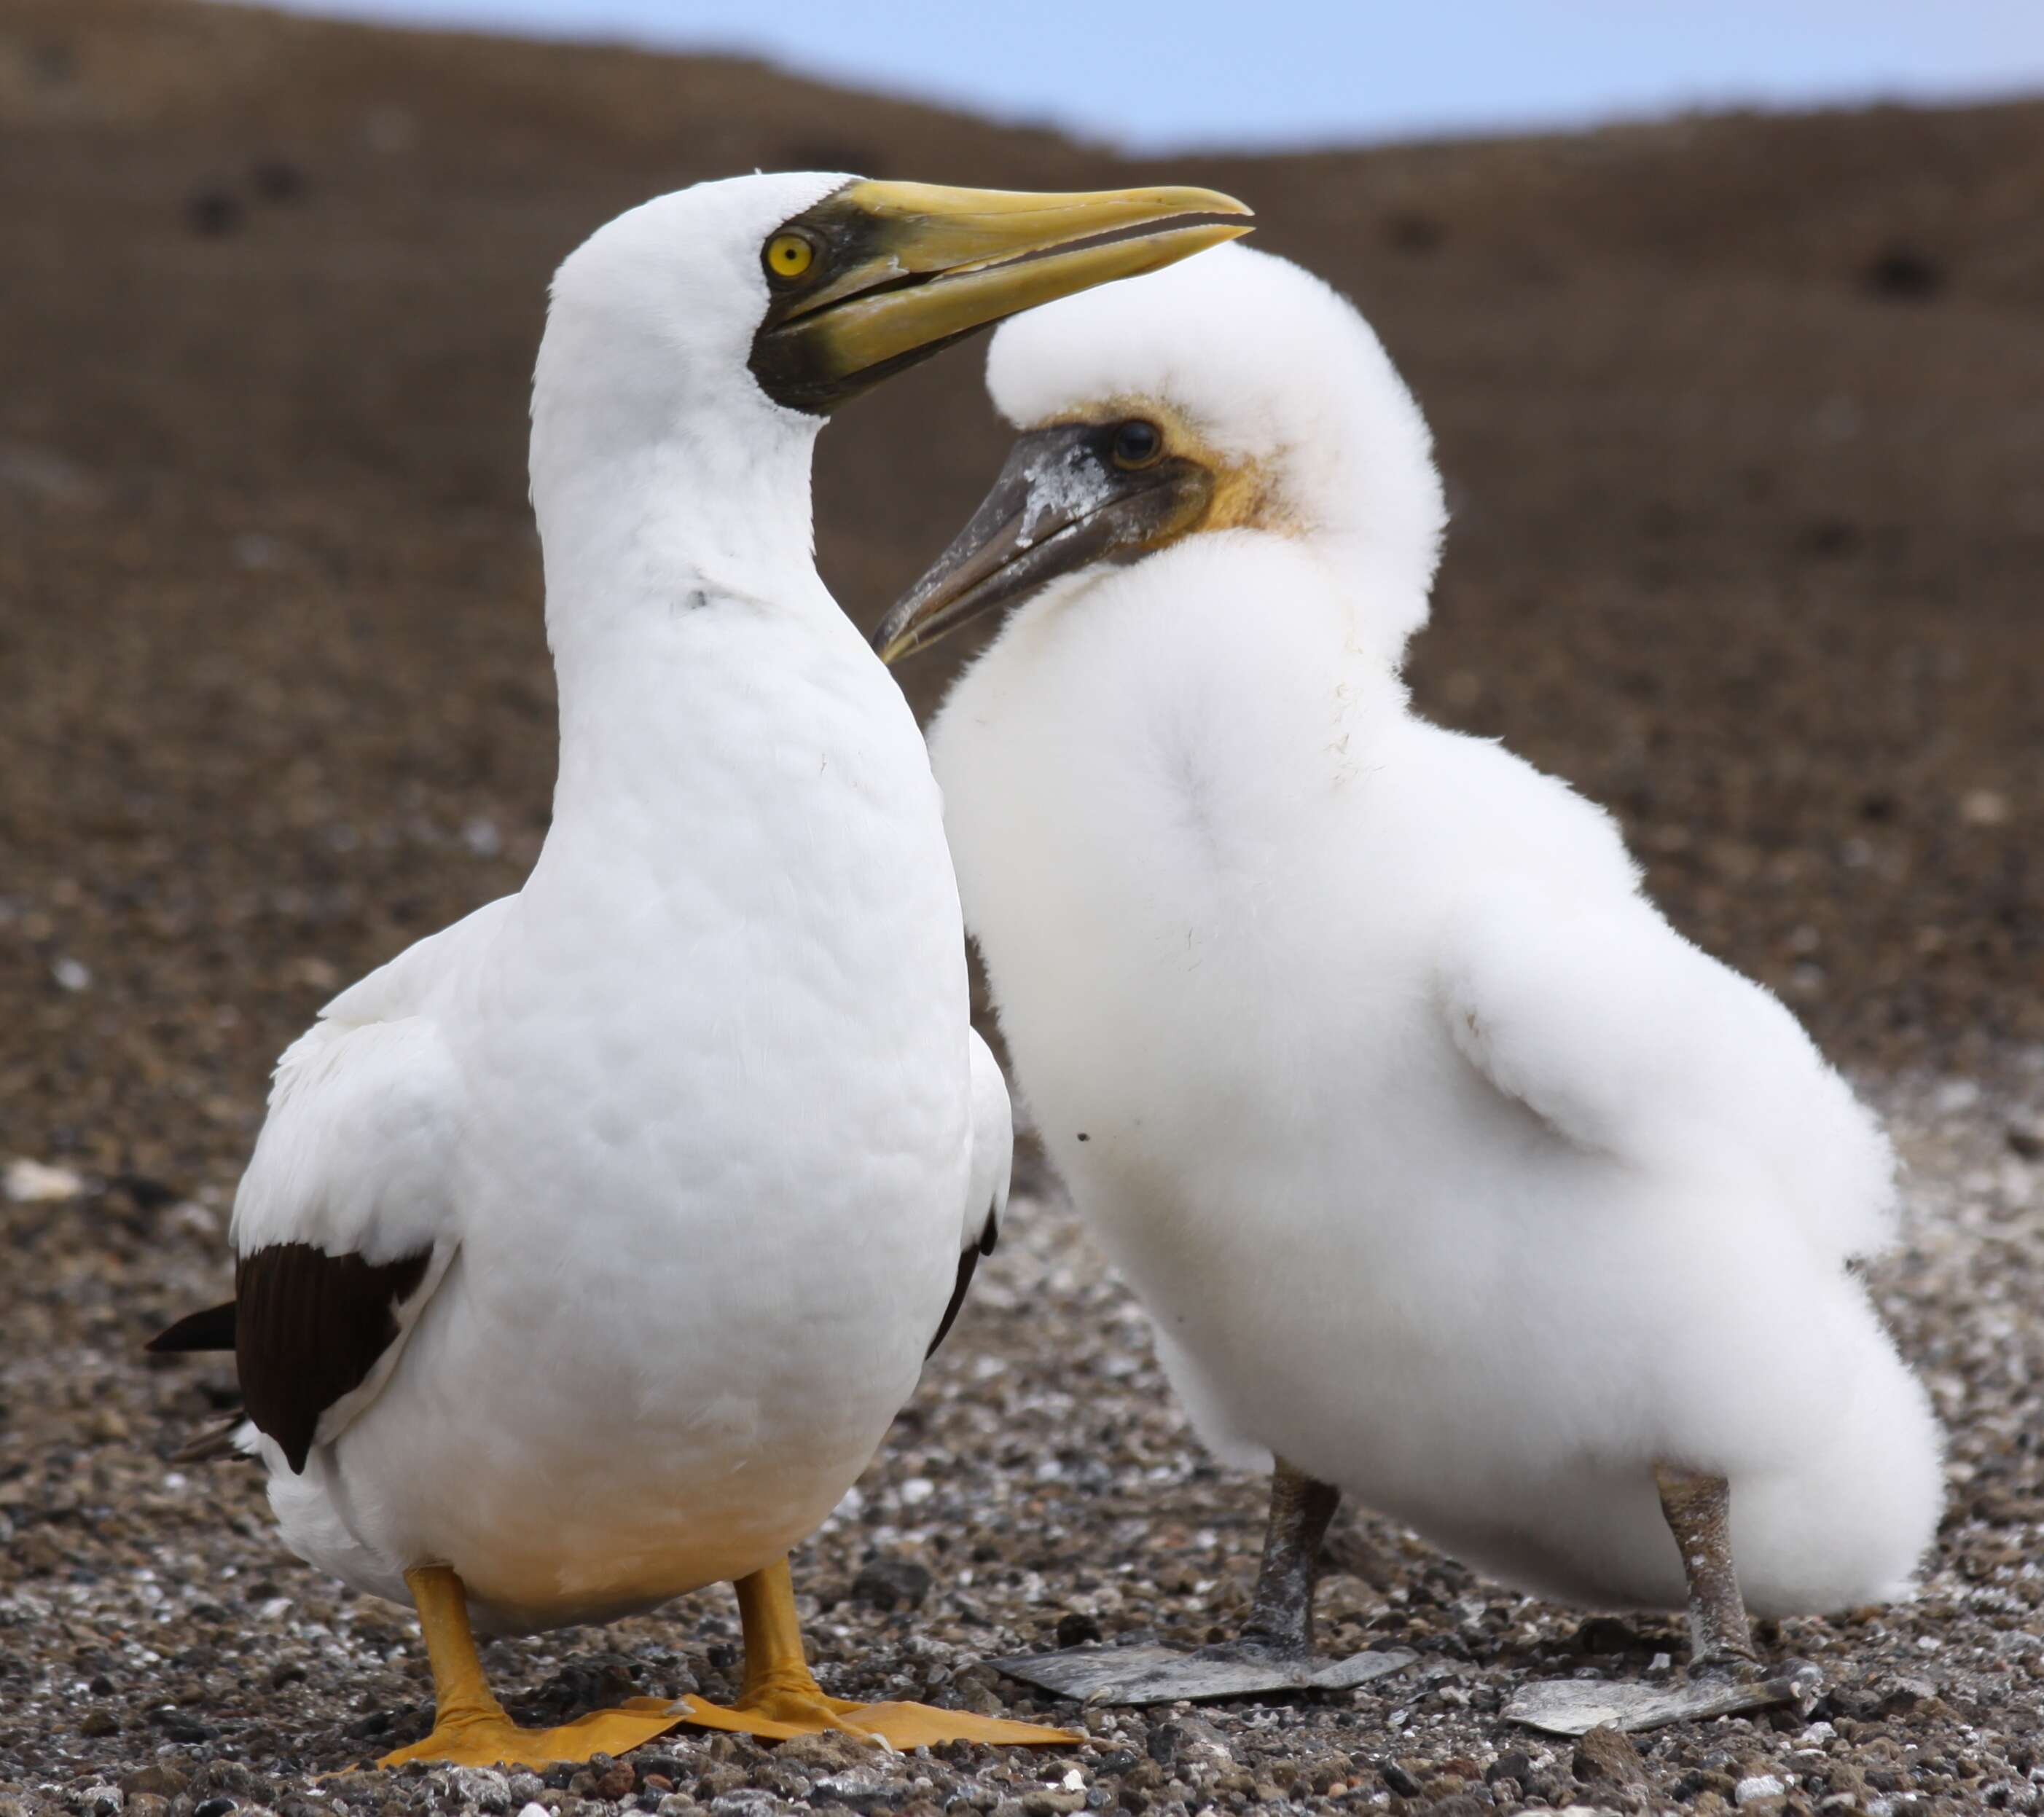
column 212, row 1330
column 309, row 1329
column 967, row 1263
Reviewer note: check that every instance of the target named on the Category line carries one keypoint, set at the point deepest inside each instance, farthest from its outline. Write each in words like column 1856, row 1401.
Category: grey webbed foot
column 1246, row 1668
column 1575, row 1706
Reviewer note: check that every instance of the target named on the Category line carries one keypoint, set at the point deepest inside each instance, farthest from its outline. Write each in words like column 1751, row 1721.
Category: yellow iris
column 790, row 255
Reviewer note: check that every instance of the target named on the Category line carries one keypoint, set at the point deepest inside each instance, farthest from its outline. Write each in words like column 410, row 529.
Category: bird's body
column 1275, row 961
column 591, row 1246
column 709, row 1065
column 1451, row 1175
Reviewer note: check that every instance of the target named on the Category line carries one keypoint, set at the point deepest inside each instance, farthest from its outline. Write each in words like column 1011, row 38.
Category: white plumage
column 694, row 1123
column 1448, row 1171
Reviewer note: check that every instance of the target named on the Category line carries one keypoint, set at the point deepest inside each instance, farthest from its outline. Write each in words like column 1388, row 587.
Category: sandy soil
column 1740, row 418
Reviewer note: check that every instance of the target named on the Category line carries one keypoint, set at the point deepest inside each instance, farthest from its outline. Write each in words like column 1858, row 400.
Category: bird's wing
column 343, row 1225
column 345, row 1221
column 1625, row 1038
column 986, row 1191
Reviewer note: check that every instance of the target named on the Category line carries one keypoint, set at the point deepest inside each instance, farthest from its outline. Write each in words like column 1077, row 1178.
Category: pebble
column 892, row 1583
column 1608, row 1754
column 36, row 1183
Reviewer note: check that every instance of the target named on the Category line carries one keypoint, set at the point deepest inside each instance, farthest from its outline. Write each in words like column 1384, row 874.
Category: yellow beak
column 904, row 269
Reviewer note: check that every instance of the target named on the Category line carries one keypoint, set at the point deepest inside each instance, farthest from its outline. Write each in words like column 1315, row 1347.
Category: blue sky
column 1277, row 72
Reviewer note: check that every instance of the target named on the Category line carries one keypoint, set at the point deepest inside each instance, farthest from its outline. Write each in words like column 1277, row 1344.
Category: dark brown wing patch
column 309, row 1328
column 967, row 1263
column 212, row 1330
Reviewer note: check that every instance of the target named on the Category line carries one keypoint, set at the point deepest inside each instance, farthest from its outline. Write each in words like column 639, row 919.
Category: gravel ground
column 161, row 1651
column 1739, row 418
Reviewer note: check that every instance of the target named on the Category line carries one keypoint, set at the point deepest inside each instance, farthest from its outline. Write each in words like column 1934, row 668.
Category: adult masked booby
column 1454, row 1179
column 591, row 1244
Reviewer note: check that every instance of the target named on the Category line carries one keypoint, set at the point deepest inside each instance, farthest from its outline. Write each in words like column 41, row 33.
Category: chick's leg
column 1281, row 1617
column 1724, row 1677
column 1698, row 1509
column 1274, row 1654
column 470, row 1728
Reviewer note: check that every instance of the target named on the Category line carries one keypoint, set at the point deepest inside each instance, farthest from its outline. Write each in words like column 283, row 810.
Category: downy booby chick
column 1454, row 1179
column 591, row 1244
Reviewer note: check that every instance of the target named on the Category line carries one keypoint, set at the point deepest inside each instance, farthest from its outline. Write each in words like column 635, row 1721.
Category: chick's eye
column 790, row 255
column 1137, row 443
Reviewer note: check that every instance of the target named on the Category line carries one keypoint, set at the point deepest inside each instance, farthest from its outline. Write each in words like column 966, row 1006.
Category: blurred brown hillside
column 1743, row 419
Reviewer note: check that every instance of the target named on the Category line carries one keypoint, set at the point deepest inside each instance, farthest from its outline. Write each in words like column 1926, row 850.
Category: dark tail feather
column 989, row 1236
column 967, row 1263
column 219, row 1442
column 212, row 1330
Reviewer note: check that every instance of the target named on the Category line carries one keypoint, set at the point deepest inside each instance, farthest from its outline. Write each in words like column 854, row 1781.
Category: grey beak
column 1059, row 505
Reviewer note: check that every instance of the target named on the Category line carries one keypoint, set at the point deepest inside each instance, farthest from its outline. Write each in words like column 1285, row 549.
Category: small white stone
column 916, row 1491
column 319, row 973
column 1760, row 1785
column 481, row 1786
column 1984, row 808
column 1957, row 1095
column 72, row 974
column 35, row 1183
column 194, row 1218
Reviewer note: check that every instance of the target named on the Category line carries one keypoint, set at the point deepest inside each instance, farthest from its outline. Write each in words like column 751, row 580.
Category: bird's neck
column 679, row 576
column 719, row 502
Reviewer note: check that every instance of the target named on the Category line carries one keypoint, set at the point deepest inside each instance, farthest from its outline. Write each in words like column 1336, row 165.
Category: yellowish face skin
column 1245, row 493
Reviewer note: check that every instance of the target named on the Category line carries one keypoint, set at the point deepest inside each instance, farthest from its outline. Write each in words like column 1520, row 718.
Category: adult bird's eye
column 790, row 255
column 1137, row 443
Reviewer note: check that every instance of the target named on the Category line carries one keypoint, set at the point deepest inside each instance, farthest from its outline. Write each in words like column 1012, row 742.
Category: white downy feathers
column 1446, row 1169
